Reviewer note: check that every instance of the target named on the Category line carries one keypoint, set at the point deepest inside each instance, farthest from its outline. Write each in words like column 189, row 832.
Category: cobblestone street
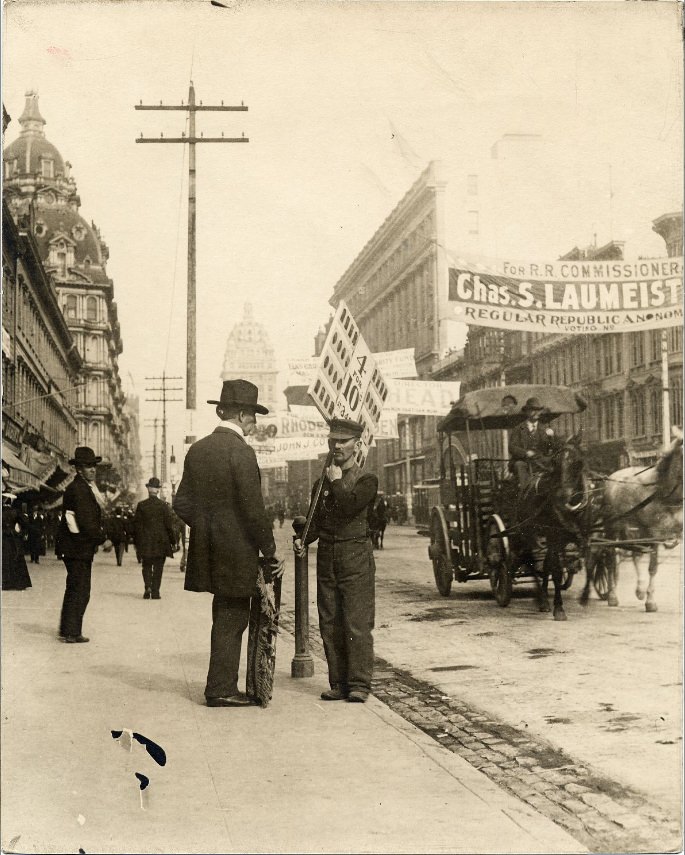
column 580, row 719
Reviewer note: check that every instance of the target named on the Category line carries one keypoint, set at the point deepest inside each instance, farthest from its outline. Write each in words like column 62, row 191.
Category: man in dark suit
column 530, row 443
column 116, row 532
column 154, row 537
column 220, row 498
column 80, row 534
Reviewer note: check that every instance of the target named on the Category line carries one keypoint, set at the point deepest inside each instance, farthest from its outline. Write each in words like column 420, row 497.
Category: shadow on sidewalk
column 151, row 680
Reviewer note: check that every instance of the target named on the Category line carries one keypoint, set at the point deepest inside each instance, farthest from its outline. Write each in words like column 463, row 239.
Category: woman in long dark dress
column 15, row 574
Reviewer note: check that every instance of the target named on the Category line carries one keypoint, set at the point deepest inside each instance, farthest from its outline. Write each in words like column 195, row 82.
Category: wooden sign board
column 348, row 383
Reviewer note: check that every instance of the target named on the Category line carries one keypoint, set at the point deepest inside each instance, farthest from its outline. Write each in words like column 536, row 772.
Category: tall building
column 250, row 356
column 41, row 191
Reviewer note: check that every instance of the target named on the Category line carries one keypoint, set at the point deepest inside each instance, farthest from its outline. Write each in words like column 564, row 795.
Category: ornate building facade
column 250, row 355
column 42, row 195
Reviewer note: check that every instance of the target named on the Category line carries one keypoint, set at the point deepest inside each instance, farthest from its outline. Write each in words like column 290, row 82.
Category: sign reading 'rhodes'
column 571, row 296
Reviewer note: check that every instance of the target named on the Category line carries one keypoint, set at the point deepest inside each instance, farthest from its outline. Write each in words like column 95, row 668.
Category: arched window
column 70, row 306
column 91, row 309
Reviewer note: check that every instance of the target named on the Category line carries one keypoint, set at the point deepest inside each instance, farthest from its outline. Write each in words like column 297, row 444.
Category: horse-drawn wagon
column 484, row 527
column 488, row 526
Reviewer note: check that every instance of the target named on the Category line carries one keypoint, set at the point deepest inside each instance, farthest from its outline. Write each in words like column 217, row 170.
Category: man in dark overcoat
column 345, row 567
column 80, row 533
column 530, row 443
column 154, row 537
column 116, row 532
column 220, row 498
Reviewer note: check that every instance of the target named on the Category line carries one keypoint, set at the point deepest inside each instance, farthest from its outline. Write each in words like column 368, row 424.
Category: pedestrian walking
column 281, row 516
column 154, row 538
column 116, row 532
column 15, row 573
column 80, row 533
column 220, row 498
column 36, row 531
column 345, row 567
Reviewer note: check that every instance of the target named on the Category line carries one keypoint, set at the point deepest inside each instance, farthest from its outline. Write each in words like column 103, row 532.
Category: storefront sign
column 569, row 296
column 391, row 363
column 421, row 397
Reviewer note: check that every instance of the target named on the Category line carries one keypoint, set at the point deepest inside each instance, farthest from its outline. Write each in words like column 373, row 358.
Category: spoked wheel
column 440, row 552
column 498, row 560
column 600, row 578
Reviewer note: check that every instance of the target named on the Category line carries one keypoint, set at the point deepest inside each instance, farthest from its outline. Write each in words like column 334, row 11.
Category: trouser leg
column 147, row 573
column 230, row 617
column 356, row 572
column 119, row 552
column 157, row 570
column 76, row 596
column 522, row 470
column 329, row 604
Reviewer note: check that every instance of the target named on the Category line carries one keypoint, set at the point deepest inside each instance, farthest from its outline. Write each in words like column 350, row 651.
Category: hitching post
column 302, row 664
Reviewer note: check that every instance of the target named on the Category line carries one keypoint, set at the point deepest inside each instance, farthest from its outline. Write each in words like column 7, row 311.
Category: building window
column 655, row 345
column 62, row 263
column 8, row 169
column 70, row 306
column 637, row 350
column 609, row 421
column 638, row 412
column 618, row 339
column 472, row 185
column 47, row 168
column 675, row 339
column 91, row 309
column 473, row 222
column 608, row 353
column 620, row 421
column 655, row 401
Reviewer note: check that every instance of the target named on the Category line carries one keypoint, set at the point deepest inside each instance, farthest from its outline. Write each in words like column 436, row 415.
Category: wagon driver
column 531, row 443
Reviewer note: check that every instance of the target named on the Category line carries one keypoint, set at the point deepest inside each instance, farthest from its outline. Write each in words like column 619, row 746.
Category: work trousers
column 230, row 617
column 76, row 595
column 152, row 573
column 345, row 587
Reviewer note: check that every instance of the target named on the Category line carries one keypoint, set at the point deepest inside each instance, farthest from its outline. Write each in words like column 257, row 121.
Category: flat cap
column 345, row 429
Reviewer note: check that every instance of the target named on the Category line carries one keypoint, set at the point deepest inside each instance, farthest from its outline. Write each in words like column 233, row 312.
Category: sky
column 347, row 104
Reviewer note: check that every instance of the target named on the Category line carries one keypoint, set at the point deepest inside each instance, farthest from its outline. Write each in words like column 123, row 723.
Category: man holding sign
column 345, row 568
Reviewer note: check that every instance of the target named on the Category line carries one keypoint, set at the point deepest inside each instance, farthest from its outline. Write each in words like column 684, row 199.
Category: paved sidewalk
column 300, row 776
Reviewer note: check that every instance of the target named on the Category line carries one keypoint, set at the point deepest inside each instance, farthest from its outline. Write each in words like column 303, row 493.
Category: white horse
column 644, row 504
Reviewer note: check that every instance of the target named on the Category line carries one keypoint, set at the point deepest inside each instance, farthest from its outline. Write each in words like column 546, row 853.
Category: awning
column 21, row 477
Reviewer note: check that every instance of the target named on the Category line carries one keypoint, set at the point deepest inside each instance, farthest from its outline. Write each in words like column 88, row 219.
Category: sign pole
column 665, row 402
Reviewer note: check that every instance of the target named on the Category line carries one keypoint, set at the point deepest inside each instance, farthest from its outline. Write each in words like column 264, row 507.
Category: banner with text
column 568, row 296
column 421, row 397
column 385, row 429
column 391, row 363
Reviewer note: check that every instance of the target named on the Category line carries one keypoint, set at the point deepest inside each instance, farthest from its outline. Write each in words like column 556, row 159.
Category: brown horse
column 642, row 504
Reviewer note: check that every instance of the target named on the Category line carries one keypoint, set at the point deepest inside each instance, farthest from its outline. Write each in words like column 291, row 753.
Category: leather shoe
column 357, row 697
column 333, row 694
column 239, row 700
column 147, row 594
column 156, row 597
column 74, row 639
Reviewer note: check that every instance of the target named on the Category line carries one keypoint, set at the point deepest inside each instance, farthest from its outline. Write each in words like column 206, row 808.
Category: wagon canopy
column 501, row 406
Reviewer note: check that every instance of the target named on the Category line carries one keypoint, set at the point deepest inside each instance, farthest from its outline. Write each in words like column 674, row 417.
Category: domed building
column 42, row 196
column 249, row 355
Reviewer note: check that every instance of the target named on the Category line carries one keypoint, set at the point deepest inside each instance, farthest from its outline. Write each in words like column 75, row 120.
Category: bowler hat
column 154, row 482
column 242, row 393
column 345, row 429
column 84, row 456
column 532, row 404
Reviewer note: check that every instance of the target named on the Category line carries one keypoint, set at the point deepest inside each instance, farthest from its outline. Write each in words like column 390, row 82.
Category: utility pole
column 163, row 389
column 153, row 423
column 191, row 140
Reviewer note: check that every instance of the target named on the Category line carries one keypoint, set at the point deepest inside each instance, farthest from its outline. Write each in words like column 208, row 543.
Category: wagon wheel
column 440, row 552
column 498, row 559
column 600, row 577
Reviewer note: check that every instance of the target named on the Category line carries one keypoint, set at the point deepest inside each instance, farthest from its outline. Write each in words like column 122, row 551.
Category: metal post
column 191, row 401
column 407, row 463
column 665, row 403
column 302, row 664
